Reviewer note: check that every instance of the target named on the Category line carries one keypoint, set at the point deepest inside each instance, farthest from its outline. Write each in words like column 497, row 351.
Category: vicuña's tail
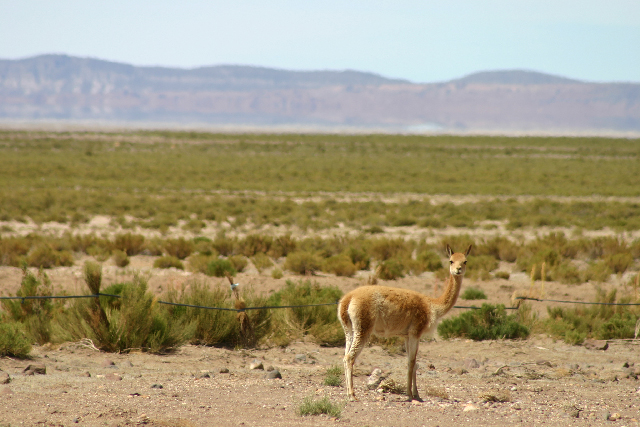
column 343, row 312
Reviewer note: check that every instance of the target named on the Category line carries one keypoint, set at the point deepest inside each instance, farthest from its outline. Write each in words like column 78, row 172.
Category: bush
column 261, row 261
column 597, row 272
column 276, row 273
column 565, row 272
column 204, row 246
column 238, row 262
column 311, row 406
column 502, row 275
column 384, row 249
column 478, row 267
column 473, row 294
column 34, row 314
column 359, row 257
column 220, row 268
column 179, row 248
column 619, row 263
column 340, row 265
column 13, row 342
column 302, row 262
column 430, row 260
column 224, row 245
column 253, row 244
column 320, row 322
column 120, row 258
column 131, row 244
column 390, row 270
column 45, row 256
column 168, row 262
column 488, row 322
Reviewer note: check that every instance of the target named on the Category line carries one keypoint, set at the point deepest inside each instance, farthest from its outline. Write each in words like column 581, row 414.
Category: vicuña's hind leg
column 412, row 352
column 357, row 344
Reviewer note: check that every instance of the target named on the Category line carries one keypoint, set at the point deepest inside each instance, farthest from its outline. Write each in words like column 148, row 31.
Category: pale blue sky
column 422, row 41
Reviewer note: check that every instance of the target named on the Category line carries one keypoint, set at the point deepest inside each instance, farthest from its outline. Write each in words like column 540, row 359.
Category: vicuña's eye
column 465, row 263
column 450, row 262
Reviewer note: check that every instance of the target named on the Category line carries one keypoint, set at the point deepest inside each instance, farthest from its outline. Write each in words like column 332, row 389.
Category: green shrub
column 179, row 248
column 565, row 272
column 390, row 269
column 340, row 265
column 34, row 314
column 359, row 257
column 13, row 342
column 131, row 244
column 473, row 294
column 92, row 272
column 574, row 325
column 204, row 246
column 478, row 267
column 619, row 263
column 224, row 245
column 238, row 262
column 319, row 322
column 276, row 273
column 383, row 249
column 168, row 262
column 120, row 258
column 333, row 376
column 304, row 263
column 261, row 261
column 282, row 246
column 220, row 268
column 311, row 406
column 597, row 272
column 502, row 275
column 45, row 256
column 253, row 244
column 430, row 260
column 13, row 250
column 488, row 322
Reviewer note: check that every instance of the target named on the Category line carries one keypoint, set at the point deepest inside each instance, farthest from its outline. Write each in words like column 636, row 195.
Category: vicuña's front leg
column 412, row 352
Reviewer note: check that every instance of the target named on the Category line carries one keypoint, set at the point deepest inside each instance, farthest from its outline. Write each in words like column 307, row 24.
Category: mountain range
column 61, row 87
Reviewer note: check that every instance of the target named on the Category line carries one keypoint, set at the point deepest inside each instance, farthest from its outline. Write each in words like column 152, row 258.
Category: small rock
column 375, row 379
column 107, row 363
column 256, row 364
column 113, row 376
column 470, row 407
column 270, row 368
column 157, row 386
column 604, row 415
column 205, row 375
column 4, row 378
column 460, row 371
column 224, row 370
column 300, row 358
column 127, row 364
column 76, row 420
column 39, row 369
column 86, row 374
column 471, row 364
column 516, row 406
column 544, row 363
column 596, row 344
column 271, row 375
column 614, row 417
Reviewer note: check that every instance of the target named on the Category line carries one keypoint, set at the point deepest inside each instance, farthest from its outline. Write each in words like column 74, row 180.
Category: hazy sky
column 422, row 41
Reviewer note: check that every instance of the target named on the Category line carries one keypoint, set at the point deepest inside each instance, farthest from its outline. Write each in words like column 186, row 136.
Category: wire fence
column 238, row 310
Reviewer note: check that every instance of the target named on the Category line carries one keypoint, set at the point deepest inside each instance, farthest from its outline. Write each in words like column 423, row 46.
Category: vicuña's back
column 387, row 311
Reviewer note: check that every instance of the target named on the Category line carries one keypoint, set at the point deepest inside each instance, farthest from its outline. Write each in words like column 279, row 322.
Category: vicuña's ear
column 449, row 251
column 468, row 251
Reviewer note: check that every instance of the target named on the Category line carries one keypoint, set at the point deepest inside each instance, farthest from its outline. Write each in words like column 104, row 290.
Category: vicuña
column 388, row 312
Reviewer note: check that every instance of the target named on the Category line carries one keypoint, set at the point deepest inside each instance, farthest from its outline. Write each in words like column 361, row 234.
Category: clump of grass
column 502, row 275
column 179, row 248
column 238, row 262
column 13, row 341
column 303, row 262
column 430, row 260
column 220, row 268
column 168, row 261
column 574, row 325
column 319, row 322
column 312, row 406
column 131, row 244
column 488, row 322
column 473, row 294
column 45, row 256
column 333, row 376
column 34, row 314
column 120, row 258
column 340, row 265
column 261, row 261
column 277, row 273
column 479, row 267
column 390, row 269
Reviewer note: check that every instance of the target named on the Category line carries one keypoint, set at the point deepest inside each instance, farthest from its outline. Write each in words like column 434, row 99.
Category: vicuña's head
column 457, row 261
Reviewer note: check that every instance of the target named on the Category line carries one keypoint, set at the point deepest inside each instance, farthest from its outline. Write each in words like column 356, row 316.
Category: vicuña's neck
column 450, row 295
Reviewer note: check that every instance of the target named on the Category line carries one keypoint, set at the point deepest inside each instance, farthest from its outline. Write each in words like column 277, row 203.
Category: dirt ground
column 539, row 381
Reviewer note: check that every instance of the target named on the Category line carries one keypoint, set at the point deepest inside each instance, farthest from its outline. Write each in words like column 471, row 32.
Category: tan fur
column 387, row 311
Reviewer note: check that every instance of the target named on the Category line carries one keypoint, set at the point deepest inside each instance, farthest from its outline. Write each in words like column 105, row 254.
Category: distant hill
column 71, row 88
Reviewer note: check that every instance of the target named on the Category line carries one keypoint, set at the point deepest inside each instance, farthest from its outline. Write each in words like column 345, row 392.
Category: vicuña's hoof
column 416, row 399
column 353, row 399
